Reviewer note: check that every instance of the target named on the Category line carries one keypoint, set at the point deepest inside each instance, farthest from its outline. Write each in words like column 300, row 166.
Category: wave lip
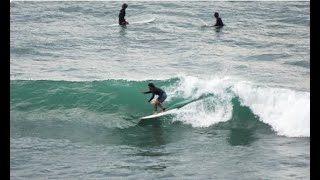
column 285, row 110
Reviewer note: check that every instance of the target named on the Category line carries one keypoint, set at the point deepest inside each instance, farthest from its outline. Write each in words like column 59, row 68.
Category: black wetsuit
column 156, row 91
column 122, row 14
column 219, row 22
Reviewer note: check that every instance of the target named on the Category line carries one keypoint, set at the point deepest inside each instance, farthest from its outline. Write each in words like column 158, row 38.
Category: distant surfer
column 122, row 14
column 158, row 102
column 219, row 22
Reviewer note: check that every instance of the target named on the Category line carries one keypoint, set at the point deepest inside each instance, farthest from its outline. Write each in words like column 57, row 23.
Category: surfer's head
column 216, row 15
column 151, row 86
column 124, row 6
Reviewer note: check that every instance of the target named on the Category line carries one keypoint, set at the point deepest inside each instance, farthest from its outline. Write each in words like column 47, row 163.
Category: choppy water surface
column 242, row 91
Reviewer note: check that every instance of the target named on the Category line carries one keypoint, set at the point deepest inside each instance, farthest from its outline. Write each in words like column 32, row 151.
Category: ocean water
column 243, row 91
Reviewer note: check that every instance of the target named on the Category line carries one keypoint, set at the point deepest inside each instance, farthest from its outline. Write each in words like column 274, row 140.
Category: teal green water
column 104, row 99
column 92, row 129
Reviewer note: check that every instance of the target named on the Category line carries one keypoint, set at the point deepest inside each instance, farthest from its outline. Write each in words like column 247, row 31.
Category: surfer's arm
column 151, row 98
column 147, row 92
column 122, row 14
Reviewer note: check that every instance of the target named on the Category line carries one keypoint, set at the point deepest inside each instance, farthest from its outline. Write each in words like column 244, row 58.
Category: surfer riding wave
column 158, row 102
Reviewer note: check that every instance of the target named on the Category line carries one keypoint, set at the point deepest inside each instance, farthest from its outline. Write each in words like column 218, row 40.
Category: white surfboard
column 205, row 24
column 138, row 22
column 144, row 22
column 171, row 111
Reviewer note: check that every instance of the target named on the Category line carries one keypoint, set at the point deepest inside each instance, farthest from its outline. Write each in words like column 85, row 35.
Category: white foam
column 190, row 86
column 286, row 111
column 205, row 112
column 198, row 114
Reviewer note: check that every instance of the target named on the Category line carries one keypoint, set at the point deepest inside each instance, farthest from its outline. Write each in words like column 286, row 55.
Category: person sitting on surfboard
column 219, row 22
column 158, row 102
column 122, row 14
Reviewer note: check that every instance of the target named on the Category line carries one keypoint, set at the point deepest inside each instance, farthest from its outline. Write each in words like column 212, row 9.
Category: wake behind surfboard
column 137, row 22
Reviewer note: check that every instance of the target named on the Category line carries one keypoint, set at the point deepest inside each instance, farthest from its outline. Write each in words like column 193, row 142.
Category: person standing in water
column 219, row 22
column 122, row 14
column 158, row 102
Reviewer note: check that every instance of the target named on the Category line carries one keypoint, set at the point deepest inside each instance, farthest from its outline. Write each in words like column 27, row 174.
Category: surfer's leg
column 160, row 105
column 160, row 100
column 155, row 106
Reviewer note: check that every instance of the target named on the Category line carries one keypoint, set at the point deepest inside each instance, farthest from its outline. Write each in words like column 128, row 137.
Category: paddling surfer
column 122, row 14
column 158, row 102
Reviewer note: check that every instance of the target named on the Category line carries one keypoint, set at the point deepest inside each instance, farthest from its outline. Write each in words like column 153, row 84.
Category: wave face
column 221, row 102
